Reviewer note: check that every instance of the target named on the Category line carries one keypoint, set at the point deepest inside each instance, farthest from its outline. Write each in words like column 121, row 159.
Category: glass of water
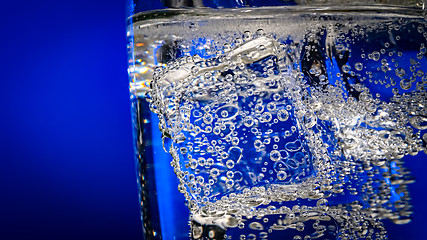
column 276, row 119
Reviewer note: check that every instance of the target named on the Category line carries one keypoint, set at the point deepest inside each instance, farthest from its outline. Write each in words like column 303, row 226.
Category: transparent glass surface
column 284, row 121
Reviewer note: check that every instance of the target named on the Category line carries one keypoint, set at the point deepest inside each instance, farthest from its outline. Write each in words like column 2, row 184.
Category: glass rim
column 138, row 6
column 275, row 11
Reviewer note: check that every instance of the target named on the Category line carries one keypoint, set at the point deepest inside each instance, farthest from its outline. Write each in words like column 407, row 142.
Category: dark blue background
column 66, row 159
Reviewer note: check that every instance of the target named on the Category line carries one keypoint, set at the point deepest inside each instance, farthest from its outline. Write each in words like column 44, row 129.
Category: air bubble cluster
column 268, row 121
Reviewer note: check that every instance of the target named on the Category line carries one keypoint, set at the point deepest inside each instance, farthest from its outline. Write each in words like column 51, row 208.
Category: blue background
column 66, row 159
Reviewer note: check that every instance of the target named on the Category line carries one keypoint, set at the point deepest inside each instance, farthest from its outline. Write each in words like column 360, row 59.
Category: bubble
column 247, row 35
column 231, row 222
column 238, row 176
column 201, row 161
column 260, row 32
column 197, row 231
column 405, row 84
column 291, row 215
column 257, row 144
column 251, row 236
column 400, row 72
column 229, row 183
column 385, row 68
column 217, row 130
column 358, row 66
column 248, row 121
column 275, row 155
column 345, row 68
column 230, row 174
column 226, row 47
column 224, row 113
column 419, row 122
column 254, row 130
column 365, row 97
column 395, row 91
column 214, row 172
column 211, row 181
column 193, row 164
column 315, row 70
column 322, row 204
column 310, row 119
column 183, row 150
column 276, row 97
column 230, row 163
column 282, row 115
column 200, row 179
column 256, row 226
column 293, row 146
column 194, row 70
column 229, row 77
column 196, row 58
column 266, row 117
column 423, row 50
column 181, row 188
column 263, row 235
column 211, row 233
column 281, row 175
column 207, row 118
column 299, row 226
column 376, row 56
column 208, row 75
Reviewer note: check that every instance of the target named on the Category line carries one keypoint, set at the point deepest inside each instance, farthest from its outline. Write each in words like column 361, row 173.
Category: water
column 282, row 123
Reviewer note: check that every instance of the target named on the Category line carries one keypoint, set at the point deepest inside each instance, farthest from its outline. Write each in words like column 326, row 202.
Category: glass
column 276, row 119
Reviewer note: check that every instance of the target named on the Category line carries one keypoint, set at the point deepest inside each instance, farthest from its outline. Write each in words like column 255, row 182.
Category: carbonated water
column 278, row 123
